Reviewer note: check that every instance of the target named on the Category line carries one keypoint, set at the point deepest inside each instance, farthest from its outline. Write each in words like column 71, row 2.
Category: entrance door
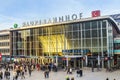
column 76, row 62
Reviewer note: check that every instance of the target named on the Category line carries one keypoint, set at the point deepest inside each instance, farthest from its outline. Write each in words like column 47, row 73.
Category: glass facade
column 76, row 38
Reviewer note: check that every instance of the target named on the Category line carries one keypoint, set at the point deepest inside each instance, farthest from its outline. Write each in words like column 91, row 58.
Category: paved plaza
column 61, row 75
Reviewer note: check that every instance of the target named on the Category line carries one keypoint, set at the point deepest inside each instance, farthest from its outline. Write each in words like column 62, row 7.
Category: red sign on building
column 96, row 13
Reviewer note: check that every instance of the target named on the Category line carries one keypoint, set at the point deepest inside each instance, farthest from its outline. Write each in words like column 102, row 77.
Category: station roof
column 114, row 23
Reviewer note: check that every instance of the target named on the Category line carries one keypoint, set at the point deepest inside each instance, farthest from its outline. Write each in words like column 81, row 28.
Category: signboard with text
column 53, row 20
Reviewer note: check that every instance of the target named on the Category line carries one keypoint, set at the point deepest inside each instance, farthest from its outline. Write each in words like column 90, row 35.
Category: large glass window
column 94, row 25
column 50, row 40
column 87, row 33
column 94, row 33
column 87, row 25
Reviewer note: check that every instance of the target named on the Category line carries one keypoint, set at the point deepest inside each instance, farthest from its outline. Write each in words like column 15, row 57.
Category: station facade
column 92, row 37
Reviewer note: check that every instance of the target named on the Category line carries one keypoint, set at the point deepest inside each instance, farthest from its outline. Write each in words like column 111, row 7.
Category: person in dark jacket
column 5, row 73
column 1, row 75
column 29, row 70
column 22, row 74
column 81, row 73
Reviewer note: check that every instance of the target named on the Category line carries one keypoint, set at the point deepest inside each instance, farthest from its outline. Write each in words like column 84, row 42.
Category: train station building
column 68, row 40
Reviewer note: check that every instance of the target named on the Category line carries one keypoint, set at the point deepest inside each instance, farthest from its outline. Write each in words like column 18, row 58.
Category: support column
column 56, row 60
column 67, row 61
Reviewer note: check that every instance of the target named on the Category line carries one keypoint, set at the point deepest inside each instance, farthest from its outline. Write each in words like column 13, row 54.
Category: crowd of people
column 20, row 69
column 17, row 69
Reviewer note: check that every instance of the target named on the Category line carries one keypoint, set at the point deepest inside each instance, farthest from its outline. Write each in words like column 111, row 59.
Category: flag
column 96, row 13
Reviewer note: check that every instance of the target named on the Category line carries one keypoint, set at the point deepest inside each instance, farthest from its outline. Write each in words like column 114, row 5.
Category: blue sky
column 19, row 11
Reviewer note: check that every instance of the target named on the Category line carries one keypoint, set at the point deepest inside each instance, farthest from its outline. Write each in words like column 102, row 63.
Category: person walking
column 22, row 74
column 29, row 70
column 38, row 66
column 78, row 73
column 1, row 75
column 46, row 73
column 14, row 75
column 7, row 75
column 68, row 70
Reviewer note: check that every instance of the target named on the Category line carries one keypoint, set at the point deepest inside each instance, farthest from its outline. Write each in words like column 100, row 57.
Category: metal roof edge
column 73, row 21
column 115, row 23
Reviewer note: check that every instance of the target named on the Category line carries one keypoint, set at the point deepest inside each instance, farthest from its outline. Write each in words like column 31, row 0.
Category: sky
column 19, row 11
